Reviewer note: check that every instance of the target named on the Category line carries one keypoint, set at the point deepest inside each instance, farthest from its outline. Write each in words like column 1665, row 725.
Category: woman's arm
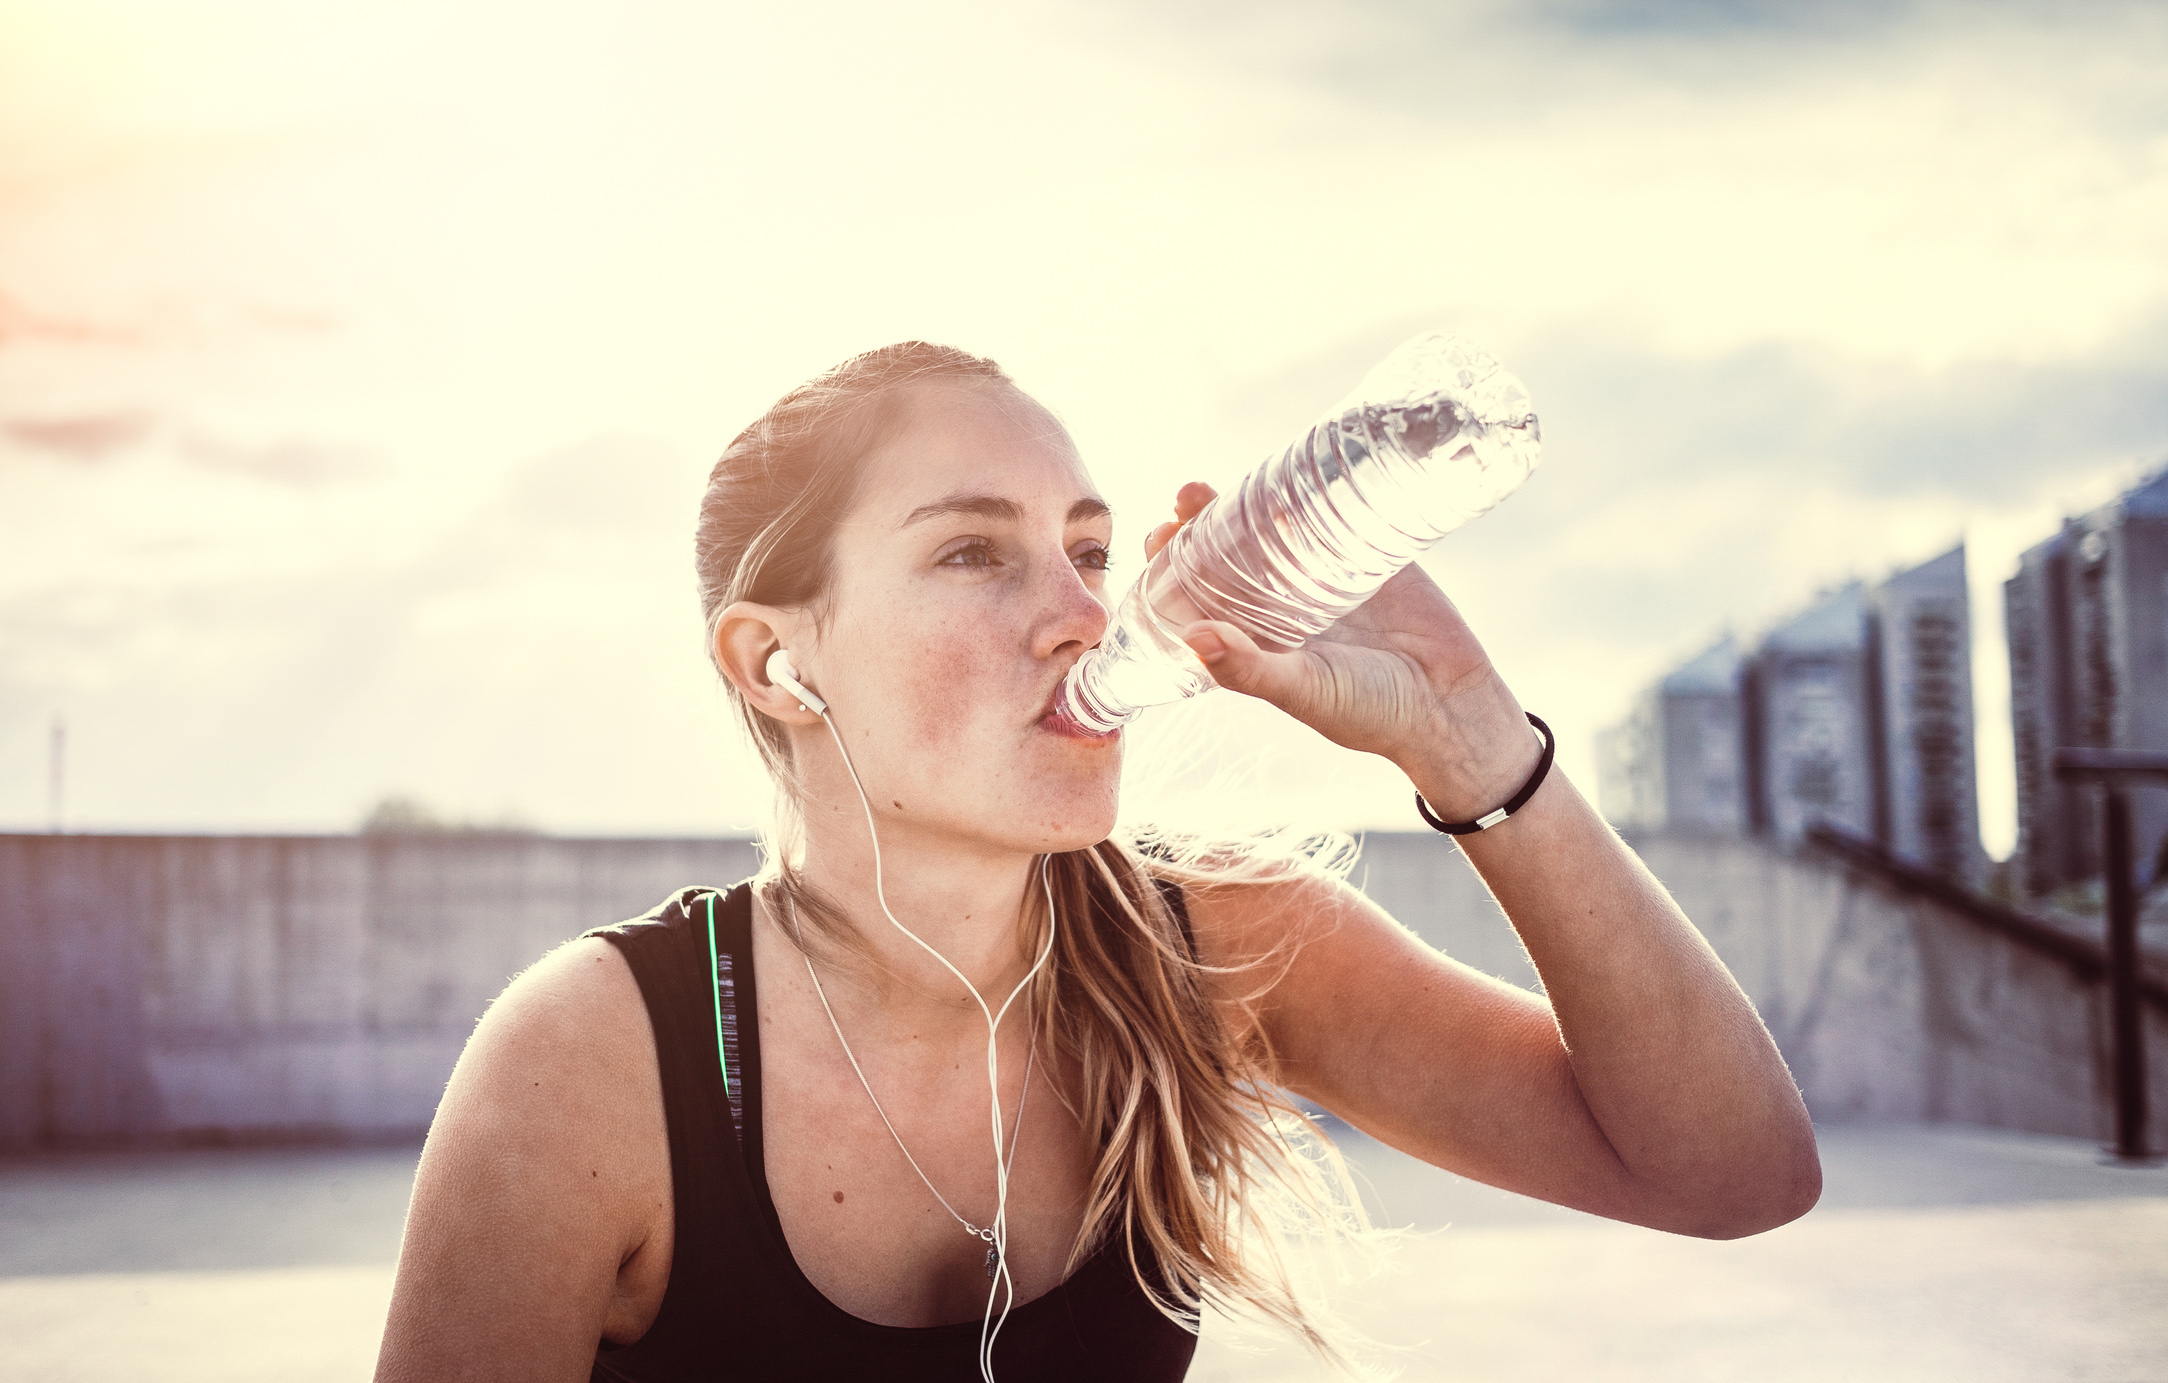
column 541, row 1216
column 1645, row 1088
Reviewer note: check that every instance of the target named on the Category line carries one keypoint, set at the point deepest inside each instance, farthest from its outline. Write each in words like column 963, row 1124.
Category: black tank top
column 737, row 1305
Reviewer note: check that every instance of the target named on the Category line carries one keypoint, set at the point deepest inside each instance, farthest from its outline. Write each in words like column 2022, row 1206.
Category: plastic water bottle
column 1434, row 436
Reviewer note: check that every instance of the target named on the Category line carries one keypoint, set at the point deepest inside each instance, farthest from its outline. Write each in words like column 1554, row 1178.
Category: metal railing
column 2115, row 770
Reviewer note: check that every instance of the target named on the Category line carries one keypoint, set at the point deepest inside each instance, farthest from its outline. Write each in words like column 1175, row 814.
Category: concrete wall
column 272, row 987
column 281, row 986
column 1885, row 1005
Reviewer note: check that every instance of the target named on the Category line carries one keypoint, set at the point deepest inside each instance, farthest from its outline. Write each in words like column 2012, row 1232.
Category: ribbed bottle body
column 1433, row 437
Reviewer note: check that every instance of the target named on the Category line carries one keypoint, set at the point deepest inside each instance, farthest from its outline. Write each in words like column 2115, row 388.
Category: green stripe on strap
column 715, row 976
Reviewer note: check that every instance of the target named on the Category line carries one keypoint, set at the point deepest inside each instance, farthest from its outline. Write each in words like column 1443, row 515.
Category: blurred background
column 360, row 367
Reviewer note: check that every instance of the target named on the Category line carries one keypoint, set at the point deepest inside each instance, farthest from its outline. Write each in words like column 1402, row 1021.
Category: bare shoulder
column 541, row 1212
column 561, row 1070
column 578, row 1006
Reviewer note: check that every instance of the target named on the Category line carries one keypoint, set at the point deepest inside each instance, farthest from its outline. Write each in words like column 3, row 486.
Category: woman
column 768, row 1156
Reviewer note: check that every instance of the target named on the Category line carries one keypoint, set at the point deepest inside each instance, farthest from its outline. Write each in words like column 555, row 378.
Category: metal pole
column 2124, row 1018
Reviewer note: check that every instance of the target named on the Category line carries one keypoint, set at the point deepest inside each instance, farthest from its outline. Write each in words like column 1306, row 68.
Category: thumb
column 1237, row 663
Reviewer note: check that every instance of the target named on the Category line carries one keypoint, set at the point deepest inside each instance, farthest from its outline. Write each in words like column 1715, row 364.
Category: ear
column 745, row 635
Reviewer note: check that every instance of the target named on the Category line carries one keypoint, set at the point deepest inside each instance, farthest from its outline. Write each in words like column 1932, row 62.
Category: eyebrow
column 1001, row 510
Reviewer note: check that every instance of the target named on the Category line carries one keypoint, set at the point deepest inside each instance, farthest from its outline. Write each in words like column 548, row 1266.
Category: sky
column 360, row 365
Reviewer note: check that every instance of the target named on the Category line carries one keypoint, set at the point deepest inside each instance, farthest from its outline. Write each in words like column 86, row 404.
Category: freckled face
column 969, row 576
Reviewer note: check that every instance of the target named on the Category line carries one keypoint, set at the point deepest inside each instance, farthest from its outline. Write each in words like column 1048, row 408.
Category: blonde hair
column 1203, row 1166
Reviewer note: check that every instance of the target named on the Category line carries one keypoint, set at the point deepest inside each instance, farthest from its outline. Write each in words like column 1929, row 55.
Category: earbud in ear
column 784, row 673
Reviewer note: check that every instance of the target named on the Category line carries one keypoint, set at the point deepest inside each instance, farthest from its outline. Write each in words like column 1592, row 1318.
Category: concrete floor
column 1937, row 1253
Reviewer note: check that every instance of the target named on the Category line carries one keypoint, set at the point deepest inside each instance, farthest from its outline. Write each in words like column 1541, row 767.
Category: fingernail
column 1208, row 646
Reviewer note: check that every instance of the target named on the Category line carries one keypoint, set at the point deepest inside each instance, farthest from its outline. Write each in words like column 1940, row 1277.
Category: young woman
column 747, row 1136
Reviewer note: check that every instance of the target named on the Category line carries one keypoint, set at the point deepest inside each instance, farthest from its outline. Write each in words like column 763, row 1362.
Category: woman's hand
column 1641, row 1085
column 1402, row 676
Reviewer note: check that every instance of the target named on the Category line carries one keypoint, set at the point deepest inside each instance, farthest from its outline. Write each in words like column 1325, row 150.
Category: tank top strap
column 729, row 939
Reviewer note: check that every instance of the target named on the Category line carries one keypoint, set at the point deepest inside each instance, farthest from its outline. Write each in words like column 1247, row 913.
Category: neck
column 969, row 905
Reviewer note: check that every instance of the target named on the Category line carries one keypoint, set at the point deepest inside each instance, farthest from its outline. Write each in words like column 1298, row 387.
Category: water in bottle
column 1434, row 436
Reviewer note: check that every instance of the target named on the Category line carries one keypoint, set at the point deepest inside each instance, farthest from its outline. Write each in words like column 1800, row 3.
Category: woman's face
column 968, row 577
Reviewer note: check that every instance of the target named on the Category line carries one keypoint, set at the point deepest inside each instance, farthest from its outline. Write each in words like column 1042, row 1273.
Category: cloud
column 289, row 319
column 1987, row 430
column 538, row 654
column 1624, row 416
column 1480, row 61
column 1797, row 288
column 98, row 437
column 286, row 462
column 21, row 323
column 87, row 438
column 609, row 484
column 1712, row 17
column 1784, row 22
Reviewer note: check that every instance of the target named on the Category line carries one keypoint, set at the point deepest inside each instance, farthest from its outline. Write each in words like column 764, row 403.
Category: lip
column 1054, row 722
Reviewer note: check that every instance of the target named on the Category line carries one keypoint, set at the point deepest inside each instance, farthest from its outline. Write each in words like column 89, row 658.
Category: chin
column 1078, row 822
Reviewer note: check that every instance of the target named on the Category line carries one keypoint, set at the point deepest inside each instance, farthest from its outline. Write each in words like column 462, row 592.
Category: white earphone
column 784, row 673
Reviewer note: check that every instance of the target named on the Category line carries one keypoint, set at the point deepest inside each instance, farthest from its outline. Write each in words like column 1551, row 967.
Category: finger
column 1190, row 500
column 1236, row 662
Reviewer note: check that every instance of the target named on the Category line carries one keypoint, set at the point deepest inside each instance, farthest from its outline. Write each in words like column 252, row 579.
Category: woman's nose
column 1072, row 615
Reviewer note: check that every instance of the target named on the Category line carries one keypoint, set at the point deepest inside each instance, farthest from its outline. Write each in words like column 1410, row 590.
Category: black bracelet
column 1518, row 800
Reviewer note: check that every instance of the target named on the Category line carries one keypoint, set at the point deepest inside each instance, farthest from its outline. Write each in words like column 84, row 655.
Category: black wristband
column 1513, row 804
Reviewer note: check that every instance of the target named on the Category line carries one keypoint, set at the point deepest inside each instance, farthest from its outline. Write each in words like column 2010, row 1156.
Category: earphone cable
column 1015, row 1133
column 1004, row 1282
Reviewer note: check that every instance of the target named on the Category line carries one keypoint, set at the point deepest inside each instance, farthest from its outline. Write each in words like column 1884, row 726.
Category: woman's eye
column 1095, row 559
column 972, row 554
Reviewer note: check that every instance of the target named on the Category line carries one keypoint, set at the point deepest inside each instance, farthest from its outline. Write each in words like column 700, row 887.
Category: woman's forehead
column 956, row 438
